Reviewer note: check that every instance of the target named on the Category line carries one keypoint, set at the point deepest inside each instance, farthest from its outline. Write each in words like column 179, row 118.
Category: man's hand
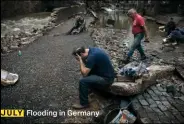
column 83, row 69
column 78, row 57
column 146, row 34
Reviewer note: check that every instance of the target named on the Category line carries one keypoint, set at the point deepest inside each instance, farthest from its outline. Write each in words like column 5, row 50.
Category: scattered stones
column 110, row 40
column 18, row 36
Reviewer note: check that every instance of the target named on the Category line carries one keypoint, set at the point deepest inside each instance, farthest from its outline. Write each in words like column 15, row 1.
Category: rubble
column 131, row 88
column 13, row 40
column 111, row 41
column 16, row 37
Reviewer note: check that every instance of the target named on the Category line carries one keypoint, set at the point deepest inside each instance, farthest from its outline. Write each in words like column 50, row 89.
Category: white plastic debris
column 8, row 78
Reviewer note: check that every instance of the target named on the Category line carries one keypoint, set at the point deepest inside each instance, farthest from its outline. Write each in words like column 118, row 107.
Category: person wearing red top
column 139, row 30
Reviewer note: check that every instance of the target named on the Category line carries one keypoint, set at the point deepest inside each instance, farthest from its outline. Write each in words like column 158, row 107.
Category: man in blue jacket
column 97, row 71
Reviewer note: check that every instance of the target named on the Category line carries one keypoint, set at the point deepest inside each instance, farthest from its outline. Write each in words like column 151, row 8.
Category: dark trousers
column 70, row 31
column 169, row 31
column 92, row 82
column 177, row 35
column 77, row 27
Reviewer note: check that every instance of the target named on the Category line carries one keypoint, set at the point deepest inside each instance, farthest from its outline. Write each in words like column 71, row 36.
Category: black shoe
column 143, row 57
column 79, row 106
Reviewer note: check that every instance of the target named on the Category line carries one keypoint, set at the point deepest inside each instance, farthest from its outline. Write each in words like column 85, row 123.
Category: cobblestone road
column 155, row 105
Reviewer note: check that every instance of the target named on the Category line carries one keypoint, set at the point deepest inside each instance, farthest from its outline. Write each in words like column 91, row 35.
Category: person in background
column 97, row 71
column 176, row 35
column 139, row 30
column 80, row 25
column 170, row 26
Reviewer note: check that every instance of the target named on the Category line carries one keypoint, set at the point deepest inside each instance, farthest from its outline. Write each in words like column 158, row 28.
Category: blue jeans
column 137, row 45
column 92, row 82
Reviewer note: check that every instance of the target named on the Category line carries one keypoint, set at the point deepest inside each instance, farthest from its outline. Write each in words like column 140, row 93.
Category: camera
column 78, row 51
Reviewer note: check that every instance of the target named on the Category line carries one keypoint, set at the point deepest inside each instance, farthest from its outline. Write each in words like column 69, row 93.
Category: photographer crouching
column 97, row 71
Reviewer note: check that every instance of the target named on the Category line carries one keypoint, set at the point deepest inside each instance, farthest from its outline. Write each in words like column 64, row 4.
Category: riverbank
column 24, row 30
column 47, row 65
column 148, row 111
column 20, row 31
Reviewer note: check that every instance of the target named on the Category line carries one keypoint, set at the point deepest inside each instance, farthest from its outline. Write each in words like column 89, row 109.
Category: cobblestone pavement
column 157, row 105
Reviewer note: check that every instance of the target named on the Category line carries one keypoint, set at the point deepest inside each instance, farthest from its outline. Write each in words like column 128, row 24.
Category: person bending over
column 97, row 71
column 170, row 26
column 176, row 35
column 80, row 25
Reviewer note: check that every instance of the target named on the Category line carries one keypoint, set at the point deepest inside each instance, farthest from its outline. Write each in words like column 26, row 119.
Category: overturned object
column 132, row 88
column 8, row 78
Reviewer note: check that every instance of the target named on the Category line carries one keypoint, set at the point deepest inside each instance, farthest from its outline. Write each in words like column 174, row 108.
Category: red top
column 138, row 22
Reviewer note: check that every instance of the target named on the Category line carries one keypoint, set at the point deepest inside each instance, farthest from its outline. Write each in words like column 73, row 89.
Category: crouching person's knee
column 82, row 81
